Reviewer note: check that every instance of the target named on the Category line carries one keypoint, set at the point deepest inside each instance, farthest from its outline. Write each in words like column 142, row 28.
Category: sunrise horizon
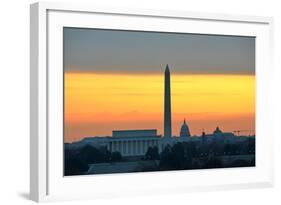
column 114, row 80
column 90, row 123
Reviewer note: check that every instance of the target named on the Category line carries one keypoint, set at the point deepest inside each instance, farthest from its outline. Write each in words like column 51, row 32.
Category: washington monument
column 167, row 105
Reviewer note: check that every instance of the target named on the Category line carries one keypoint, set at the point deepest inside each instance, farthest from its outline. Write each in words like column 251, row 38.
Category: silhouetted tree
column 166, row 159
column 116, row 156
column 90, row 155
column 152, row 153
column 178, row 156
column 190, row 149
column 74, row 166
column 251, row 145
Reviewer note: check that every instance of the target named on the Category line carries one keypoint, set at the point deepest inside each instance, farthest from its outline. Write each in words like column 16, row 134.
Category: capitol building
column 136, row 142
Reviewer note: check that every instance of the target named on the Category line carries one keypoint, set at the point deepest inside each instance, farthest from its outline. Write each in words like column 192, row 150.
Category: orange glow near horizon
column 96, row 104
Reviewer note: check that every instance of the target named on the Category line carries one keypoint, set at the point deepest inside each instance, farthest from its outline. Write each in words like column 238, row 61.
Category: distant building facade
column 134, row 133
column 129, row 145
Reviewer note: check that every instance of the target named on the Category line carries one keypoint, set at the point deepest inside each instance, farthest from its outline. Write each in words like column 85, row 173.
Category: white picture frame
column 47, row 182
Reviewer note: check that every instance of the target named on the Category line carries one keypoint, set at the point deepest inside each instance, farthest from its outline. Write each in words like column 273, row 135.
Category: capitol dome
column 217, row 131
column 184, row 130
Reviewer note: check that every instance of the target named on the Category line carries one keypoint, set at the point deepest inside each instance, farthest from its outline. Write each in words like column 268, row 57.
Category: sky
column 115, row 80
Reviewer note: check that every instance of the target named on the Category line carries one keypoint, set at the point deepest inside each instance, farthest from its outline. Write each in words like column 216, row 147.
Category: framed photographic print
column 123, row 98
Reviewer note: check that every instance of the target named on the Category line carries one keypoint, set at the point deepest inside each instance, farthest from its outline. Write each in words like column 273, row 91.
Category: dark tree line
column 201, row 155
column 76, row 161
column 180, row 156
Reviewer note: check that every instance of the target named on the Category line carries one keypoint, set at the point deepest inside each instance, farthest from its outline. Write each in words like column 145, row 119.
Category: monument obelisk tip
column 167, row 105
column 167, row 68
